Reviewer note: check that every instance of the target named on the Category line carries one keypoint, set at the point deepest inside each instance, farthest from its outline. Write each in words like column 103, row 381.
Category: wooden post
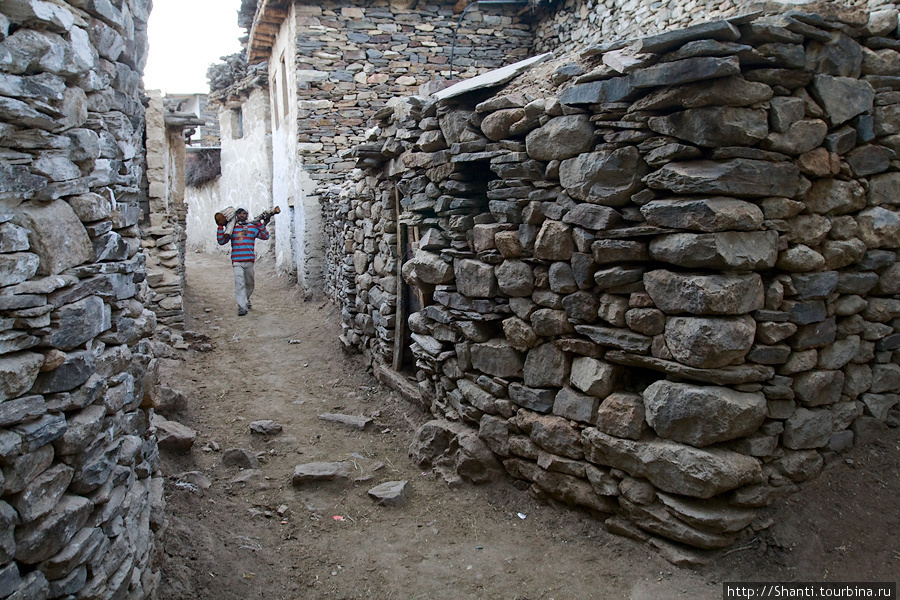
column 400, row 311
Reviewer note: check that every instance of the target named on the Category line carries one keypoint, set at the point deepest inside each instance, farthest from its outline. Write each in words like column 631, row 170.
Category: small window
column 237, row 123
column 284, row 87
column 275, row 114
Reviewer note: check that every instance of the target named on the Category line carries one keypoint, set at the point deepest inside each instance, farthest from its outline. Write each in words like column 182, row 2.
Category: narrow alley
column 239, row 529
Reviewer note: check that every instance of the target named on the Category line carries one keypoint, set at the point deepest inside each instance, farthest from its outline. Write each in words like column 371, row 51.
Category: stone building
column 81, row 498
column 656, row 278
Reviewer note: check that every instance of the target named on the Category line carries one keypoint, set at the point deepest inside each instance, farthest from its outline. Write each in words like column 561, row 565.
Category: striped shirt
column 242, row 240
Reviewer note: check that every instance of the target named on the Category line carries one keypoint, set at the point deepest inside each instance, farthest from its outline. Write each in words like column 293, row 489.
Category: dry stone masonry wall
column 80, row 495
column 659, row 282
column 574, row 24
column 352, row 59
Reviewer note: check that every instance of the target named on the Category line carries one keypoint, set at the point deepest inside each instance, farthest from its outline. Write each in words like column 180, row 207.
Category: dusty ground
column 254, row 535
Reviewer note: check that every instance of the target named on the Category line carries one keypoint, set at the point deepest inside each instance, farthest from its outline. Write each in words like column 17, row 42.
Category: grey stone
column 869, row 159
column 56, row 235
column 657, row 519
column 318, row 472
column 76, row 323
column 880, row 405
column 76, row 369
column 622, row 339
column 430, row 268
column 835, row 197
column 35, row 434
column 882, row 189
column 171, row 435
column 42, row 493
column 240, row 457
column 885, row 378
column 802, row 136
column 565, row 488
column 13, row 238
column 82, row 428
column 807, row 429
column 674, row 467
column 838, row 354
column 621, row 415
column 265, row 427
column 842, row 97
column 616, row 89
column 714, row 126
column 538, row 400
column 800, row 259
column 515, row 278
column 739, row 250
column 725, row 376
column 496, row 125
column 702, row 415
column 454, row 450
column 24, row 408
column 20, row 470
column 483, row 400
column 391, row 493
column 618, row 251
column 593, row 216
column 10, row 579
column 814, row 335
column 560, row 138
column 581, row 306
column 606, row 177
column 554, row 241
column 352, row 421
column 729, row 91
column 841, row 56
column 17, row 267
column 519, row 334
column 817, row 388
column 552, row 433
column 562, row 279
column 709, row 342
column 704, row 214
column 575, row 406
column 675, row 293
column 497, row 358
column 39, row 540
column 475, row 279
column 548, row 322
column 546, row 366
column 879, row 227
column 614, row 277
column 736, row 177
column 8, row 518
column 685, row 71
column 670, row 40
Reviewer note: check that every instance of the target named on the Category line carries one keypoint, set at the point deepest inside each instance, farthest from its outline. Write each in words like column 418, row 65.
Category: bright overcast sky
column 186, row 36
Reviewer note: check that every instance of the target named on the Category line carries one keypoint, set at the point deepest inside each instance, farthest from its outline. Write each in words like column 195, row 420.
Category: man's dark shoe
column 242, row 312
column 249, row 305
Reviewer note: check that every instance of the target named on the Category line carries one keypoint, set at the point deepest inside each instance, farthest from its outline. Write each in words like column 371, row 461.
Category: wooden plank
column 400, row 313
column 399, row 384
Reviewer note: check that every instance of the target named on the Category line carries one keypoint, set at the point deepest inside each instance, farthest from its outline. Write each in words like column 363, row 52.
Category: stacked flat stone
column 670, row 291
column 581, row 23
column 352, row 59
column 80, row 494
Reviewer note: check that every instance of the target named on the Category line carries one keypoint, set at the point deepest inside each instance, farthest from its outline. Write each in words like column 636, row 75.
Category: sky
column 186, row 36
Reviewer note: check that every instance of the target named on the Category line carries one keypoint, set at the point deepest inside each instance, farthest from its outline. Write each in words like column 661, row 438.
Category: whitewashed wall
column 246, row 179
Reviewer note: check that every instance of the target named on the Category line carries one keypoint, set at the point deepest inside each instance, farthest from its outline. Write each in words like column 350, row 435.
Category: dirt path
column 252, row 534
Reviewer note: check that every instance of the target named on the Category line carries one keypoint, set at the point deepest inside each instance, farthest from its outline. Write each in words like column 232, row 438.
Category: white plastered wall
column 246, row 180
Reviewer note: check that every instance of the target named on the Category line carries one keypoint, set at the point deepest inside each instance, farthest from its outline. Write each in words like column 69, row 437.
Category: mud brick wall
column 659, row 282
column 80, row 494
column 351, row 60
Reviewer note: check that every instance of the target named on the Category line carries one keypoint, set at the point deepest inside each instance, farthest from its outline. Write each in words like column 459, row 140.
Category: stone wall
column 350, row 60
column 575, row 24
column 659, row 282
column 80, row 494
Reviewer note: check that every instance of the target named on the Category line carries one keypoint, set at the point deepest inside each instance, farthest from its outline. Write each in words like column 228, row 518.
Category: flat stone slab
column 348, row 420
column 491, row 78
column 391, row 493
column 724, row 376
column 317, row 472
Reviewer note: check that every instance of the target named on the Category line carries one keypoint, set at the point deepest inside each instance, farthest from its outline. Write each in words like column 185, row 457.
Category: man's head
column 241, row 215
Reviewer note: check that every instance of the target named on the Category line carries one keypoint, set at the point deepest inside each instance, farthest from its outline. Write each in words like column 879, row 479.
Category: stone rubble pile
column 669, row 290
column 80, row 495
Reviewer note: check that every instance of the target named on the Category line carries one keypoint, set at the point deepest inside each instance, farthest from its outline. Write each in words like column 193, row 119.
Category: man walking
column 242, row 239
